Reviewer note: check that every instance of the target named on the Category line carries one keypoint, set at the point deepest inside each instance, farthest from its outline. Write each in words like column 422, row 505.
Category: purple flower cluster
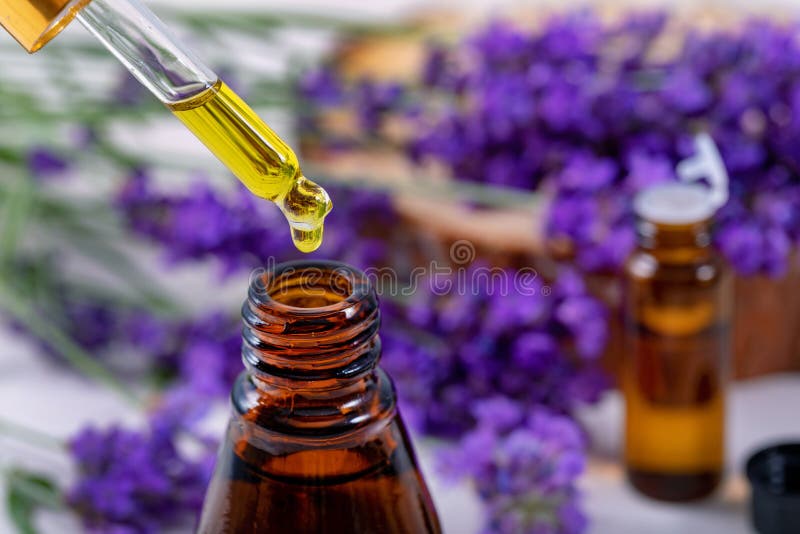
column 141, row 482
column 539, row 349
column 501, row 373
column 524, row 465
column 371, row 101
column 203, row 350
column 202, row 223
column 202, row 356
column 580, row 109
column 135, row 482
column 375, row 100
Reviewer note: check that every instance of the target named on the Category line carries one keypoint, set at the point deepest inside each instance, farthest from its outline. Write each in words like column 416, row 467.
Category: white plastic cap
column 674, row 203
column 686, row 202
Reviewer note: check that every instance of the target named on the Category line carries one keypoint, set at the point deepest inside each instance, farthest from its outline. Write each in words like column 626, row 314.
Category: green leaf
column 17, row 208
column 26, row 492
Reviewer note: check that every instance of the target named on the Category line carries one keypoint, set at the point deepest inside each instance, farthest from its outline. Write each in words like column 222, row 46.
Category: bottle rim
column 333, row 277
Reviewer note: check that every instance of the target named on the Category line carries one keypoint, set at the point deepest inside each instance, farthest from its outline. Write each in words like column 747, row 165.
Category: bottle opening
column 309, row 286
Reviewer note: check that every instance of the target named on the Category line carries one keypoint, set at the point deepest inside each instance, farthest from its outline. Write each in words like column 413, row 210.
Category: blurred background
column 471, row 134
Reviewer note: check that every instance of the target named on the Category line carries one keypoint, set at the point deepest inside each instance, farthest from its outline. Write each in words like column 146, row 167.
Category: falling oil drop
column 307, row 240
column 305, row 206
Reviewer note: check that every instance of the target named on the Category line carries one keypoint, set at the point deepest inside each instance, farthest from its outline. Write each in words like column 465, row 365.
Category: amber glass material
column 34, row 22
column 315, row 443
column 676, row 347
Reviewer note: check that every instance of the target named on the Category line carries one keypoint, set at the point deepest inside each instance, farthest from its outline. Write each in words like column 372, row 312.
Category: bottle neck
column 675, row 243
column 311, row 347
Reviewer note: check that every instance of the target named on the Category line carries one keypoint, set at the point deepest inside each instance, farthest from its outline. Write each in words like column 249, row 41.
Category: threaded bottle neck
column 310, row 321
column 311, row 347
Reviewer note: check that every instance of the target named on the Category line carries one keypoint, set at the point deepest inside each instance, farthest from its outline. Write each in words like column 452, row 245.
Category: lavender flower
column 201, row 356
column 504, row 359
column 375, row 100
column 439, row 70
column 524, row 467
column 43, row 163
column 237, row 231
column 202, row 350
column 579, row 108
column 585, row 173
column 534, row 349
column 321, row 86
column 134, row 481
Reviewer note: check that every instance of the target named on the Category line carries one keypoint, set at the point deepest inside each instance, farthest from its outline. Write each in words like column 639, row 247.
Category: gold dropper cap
column 34, row 22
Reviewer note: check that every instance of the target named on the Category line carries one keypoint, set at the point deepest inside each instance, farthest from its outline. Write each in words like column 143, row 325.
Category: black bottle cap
column 774, row 475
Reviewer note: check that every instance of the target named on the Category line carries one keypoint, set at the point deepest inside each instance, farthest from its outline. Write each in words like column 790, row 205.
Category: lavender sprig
column 135, row 481
column 524, row 466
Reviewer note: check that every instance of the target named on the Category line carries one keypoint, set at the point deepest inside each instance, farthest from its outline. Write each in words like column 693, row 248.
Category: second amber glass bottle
column 315, row 444
column 676, row 347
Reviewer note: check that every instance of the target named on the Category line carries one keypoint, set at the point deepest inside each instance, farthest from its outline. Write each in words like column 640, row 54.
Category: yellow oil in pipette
column 258, row 157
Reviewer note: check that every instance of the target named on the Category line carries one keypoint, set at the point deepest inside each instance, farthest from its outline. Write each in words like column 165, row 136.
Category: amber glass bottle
column 676, row 348
column 315, row 443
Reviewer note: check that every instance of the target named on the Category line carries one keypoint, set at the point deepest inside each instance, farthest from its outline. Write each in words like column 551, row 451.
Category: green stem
column 17, row 208
column 72, row 352
column 30, row 435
